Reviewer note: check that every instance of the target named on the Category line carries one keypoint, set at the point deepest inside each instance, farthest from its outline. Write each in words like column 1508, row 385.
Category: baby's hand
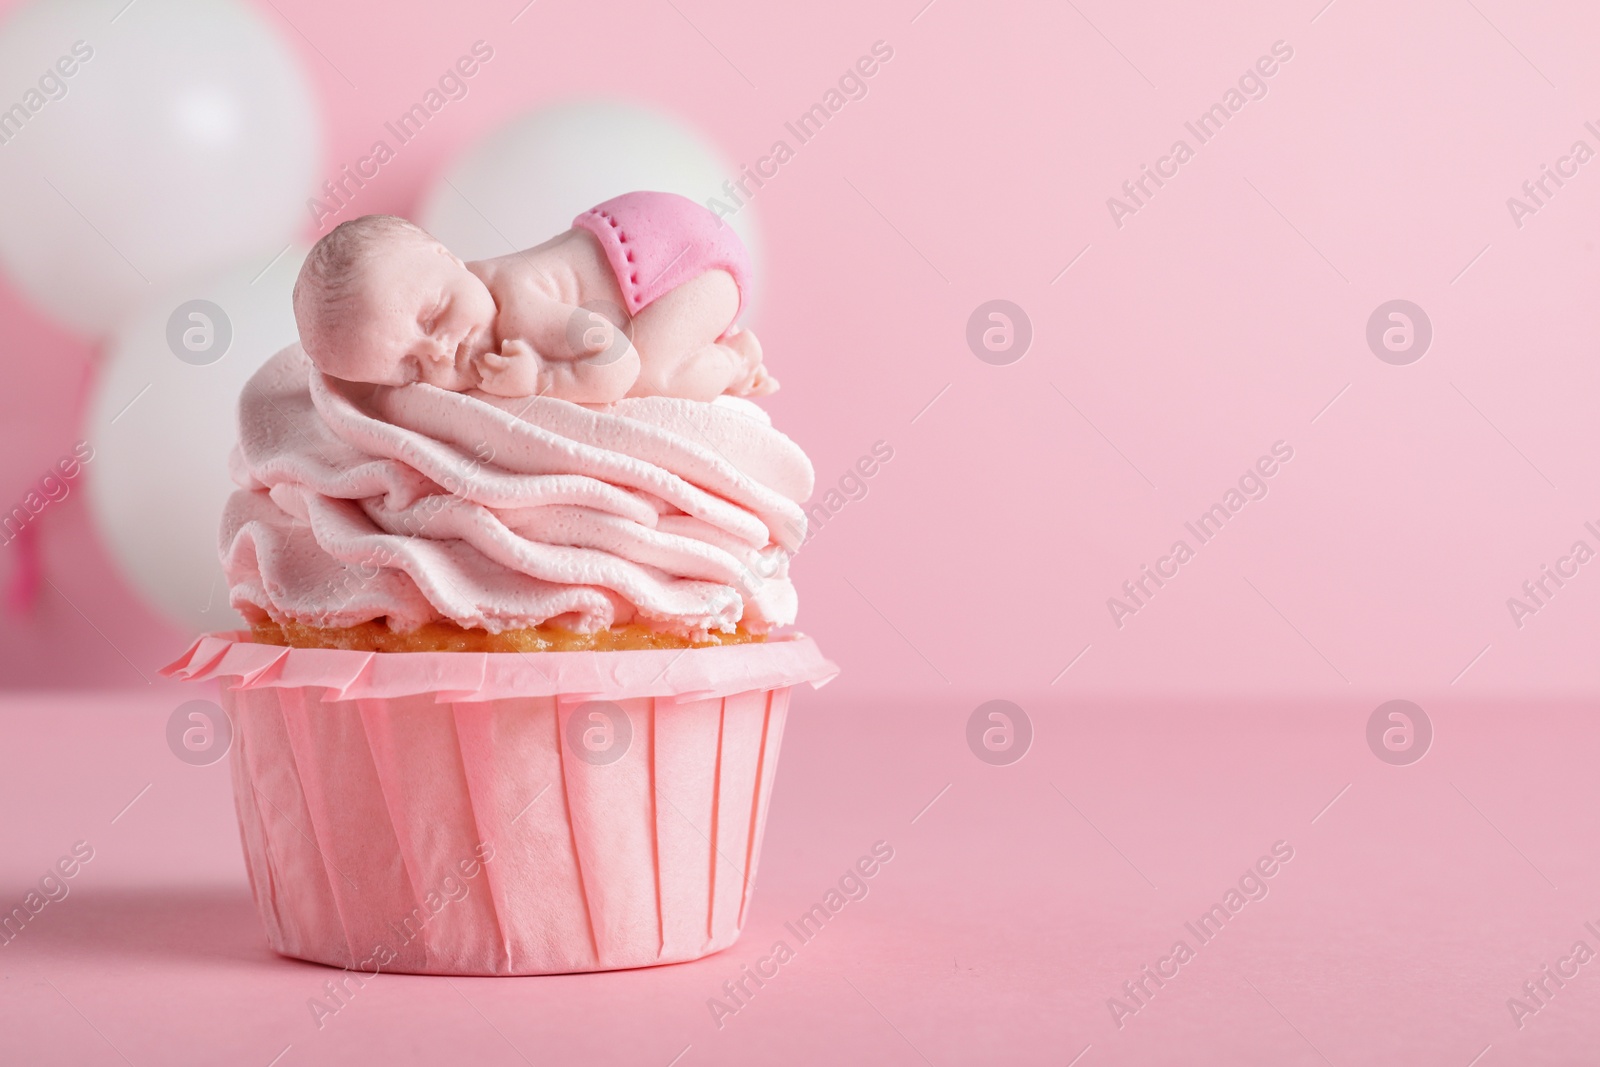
column 518, row 370
column 512, row 371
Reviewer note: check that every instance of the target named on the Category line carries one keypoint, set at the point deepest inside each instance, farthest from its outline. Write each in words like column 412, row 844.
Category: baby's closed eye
column 430, row 318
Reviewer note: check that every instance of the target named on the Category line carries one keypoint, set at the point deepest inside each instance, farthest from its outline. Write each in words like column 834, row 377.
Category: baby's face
column 420, row 316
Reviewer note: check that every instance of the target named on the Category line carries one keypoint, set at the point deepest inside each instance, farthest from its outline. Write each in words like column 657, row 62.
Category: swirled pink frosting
column 413, row 504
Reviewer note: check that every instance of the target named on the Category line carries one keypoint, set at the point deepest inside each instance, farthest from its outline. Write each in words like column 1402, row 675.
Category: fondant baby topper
column 381, row 301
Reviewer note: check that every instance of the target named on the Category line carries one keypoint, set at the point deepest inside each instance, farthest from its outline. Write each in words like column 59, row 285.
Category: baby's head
column 379, row 300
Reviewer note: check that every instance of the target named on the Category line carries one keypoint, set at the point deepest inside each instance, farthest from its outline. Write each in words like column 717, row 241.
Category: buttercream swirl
column 413, row 504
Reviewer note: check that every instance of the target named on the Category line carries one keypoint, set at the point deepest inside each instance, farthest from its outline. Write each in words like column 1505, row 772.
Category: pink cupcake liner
column 436, row 813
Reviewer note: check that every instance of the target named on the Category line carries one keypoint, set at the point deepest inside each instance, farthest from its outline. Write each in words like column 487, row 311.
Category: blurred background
column 1373, row 255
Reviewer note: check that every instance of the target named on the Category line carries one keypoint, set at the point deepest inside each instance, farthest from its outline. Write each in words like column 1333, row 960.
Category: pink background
column 1192, row 338
column 1222, row 317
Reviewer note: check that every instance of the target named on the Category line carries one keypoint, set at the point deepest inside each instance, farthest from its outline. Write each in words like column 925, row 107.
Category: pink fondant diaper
column 655, row 242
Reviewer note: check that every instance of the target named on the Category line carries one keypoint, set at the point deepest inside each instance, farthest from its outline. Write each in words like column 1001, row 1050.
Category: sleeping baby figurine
column 380, row 301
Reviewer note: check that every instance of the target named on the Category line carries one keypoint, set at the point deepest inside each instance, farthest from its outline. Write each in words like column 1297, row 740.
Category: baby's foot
column 760, row 383
column 754, row 380
column 744, row 342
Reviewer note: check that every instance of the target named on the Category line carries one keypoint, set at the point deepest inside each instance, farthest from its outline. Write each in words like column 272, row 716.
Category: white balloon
column 525, row 182
column 162, row 421
column 184, row 137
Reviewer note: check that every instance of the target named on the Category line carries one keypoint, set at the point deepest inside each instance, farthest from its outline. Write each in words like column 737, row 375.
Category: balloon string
column 27, row 577
column 22, row 591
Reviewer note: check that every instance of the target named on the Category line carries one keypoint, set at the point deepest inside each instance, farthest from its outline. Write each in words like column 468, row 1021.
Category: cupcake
column 512, row 542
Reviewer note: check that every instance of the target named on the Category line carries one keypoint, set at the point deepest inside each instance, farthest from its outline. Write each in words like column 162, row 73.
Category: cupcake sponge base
column 448, row 637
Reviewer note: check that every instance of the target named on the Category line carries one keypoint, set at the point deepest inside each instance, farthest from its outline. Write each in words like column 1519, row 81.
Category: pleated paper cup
column 496, row 813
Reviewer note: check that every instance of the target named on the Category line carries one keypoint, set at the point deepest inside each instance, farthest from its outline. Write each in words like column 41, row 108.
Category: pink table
column 1019, row 902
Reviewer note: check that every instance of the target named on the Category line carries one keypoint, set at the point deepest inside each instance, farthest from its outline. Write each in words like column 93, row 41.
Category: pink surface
column 1018, row 900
